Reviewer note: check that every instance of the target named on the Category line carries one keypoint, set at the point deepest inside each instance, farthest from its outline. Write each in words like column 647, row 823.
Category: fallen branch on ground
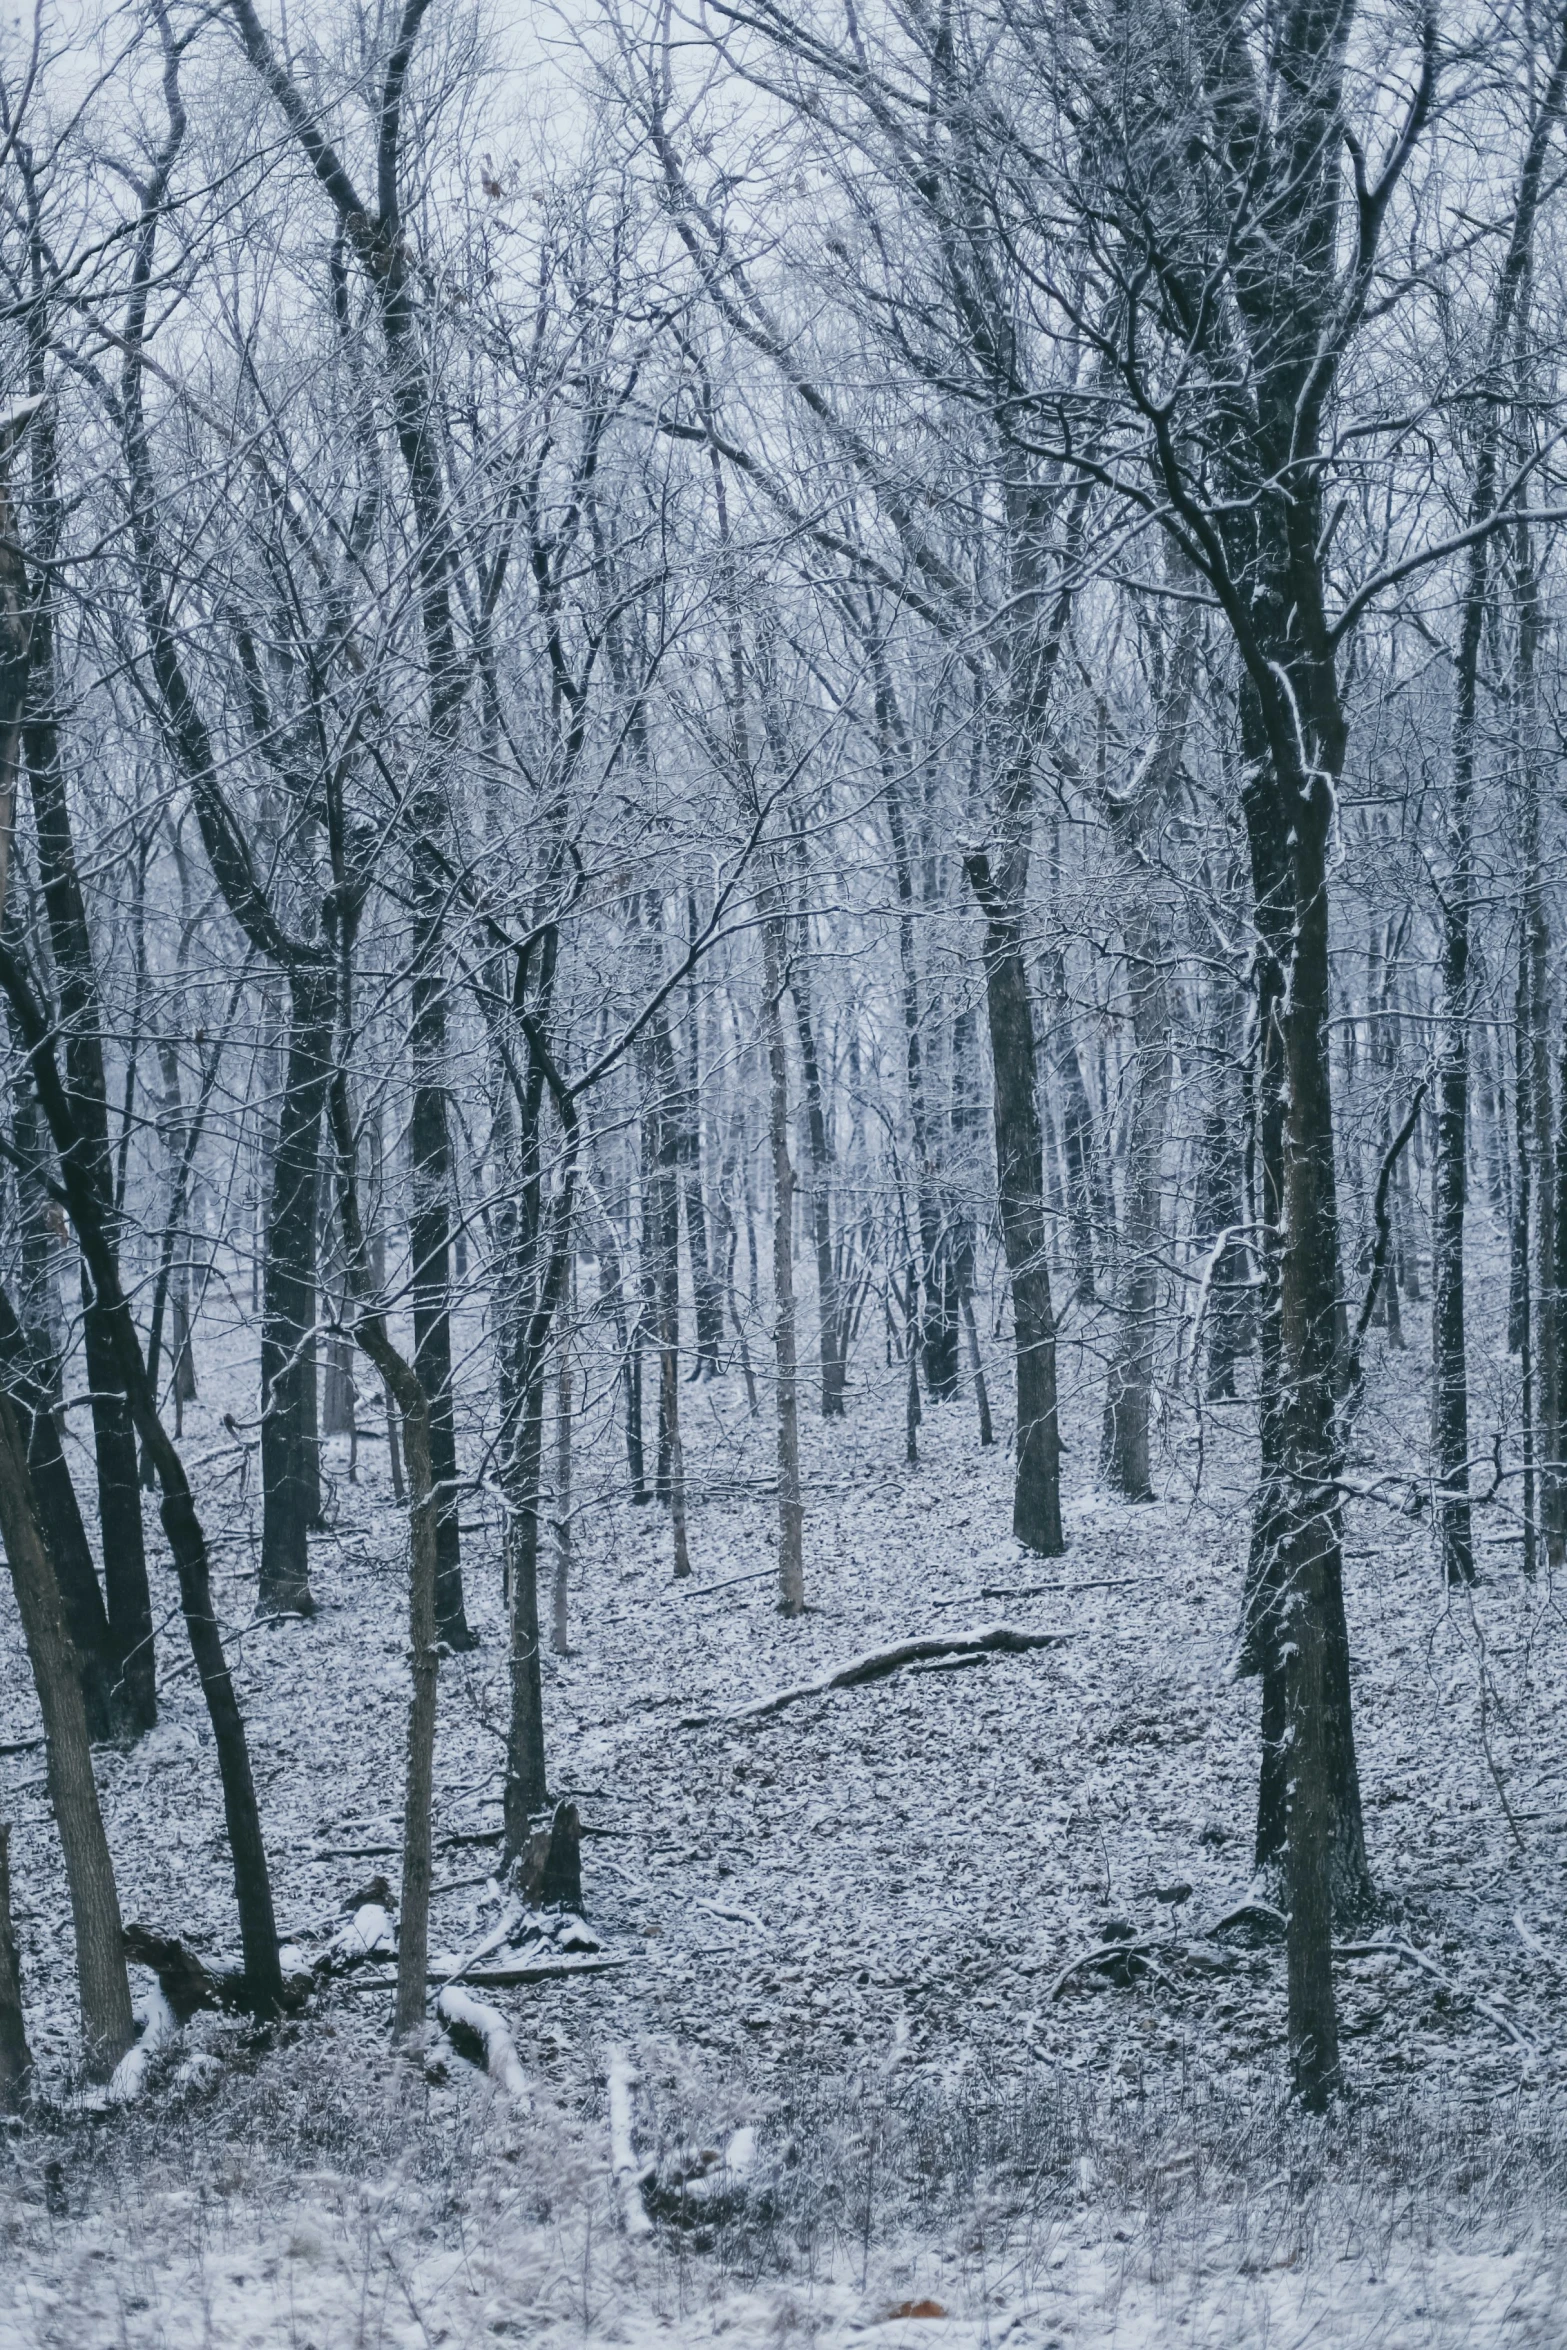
column 1400, row 1949
column 547, row 1971
column 1001, row 1640
column 470, row 2025
column 1106, row 1955
column 1041, row 1590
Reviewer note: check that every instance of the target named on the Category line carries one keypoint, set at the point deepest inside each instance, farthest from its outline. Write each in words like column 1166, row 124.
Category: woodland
column 783, row 1171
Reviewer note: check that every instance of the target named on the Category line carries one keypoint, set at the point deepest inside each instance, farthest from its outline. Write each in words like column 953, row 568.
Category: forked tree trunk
column 181, row 1525
column 107, row 2027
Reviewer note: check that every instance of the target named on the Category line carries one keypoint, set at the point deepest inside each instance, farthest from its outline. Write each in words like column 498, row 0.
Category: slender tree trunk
column 560, row 1623
column 107, row 2028
column 288, row 1295
column 938, row 1342
column 791, row 1513
column 404, row 1387
column 1077, row 1131
column 1036, row 1507
column 833, row 1368
column 413, row 1926
column 706, row 1292
column 86, row 1619
column 81, row 1024
column 181, row 1525
column 1450, row 1190
column 16, row 2064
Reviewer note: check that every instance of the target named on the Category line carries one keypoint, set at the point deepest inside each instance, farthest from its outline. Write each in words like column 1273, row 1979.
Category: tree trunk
column 560, row 1623
column 86, row 1619
column 252, row 1884
column 413, row 1925
column 1036, row 1505
column 16, row 2064
column 833, row 1367
column 706, row 1291
column 1083, row 1203
column 403, row 1386
column 289, row 1505
column 107, row 2028
column 81, row 1026
column 791, row 1514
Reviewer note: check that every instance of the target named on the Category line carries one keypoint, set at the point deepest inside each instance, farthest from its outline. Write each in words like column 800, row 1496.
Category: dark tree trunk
column 707, row 1298
column 86, row 1619
column 16, row 2064
column 95, row 1910
column 289, row 1490
column 81, row 1025
column 1036, row 1506
column 252, row 1883
column 833, row 1367
column 1077, row 1133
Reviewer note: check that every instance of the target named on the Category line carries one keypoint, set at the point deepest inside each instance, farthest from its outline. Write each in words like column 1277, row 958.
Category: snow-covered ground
column 843, row 1926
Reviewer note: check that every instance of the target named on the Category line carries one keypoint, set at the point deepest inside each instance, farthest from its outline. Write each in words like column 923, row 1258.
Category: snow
column 835, row 1927
column 455, row 2006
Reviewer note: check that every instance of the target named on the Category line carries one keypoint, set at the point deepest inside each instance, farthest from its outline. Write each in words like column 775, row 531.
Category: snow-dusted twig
column 622, row 2149
column 468, row 2017
column 1000, row 1640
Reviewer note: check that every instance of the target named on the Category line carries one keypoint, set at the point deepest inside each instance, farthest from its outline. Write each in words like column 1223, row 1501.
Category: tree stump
column 549, row 1873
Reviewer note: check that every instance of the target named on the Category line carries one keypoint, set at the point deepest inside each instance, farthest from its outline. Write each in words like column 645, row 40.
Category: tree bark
column 1036, row 1506
column 252, row 1884
column 81, row 1024
column 791, row 1513
column 16, row 2063
column 86, row 1619
column 289, row 1488
column 107, row 2028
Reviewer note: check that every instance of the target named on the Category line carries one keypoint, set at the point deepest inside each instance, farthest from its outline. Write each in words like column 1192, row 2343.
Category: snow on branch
column 881, row 1663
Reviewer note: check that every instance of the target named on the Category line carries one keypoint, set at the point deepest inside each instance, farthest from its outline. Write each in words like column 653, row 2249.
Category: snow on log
column 1000, row 1640
column 525, row 1971
column 469, row 2021
column 622, row 2149
column 159, row 2030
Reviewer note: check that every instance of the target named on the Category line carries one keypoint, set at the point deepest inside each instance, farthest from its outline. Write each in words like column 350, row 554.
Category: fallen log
column 1116, row 1959
column 470, row 2026
column 881, row 1664
column 622, row 2149
column 548, row 1971
column 186, row 1982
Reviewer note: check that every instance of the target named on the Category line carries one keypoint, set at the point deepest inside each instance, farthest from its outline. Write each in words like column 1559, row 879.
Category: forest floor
column 843, row 1928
